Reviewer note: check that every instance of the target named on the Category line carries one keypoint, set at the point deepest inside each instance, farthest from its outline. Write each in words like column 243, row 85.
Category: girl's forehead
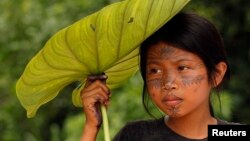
column 165, row 51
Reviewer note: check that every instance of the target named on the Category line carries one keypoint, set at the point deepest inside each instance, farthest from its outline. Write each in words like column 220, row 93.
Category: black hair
column 193, row 33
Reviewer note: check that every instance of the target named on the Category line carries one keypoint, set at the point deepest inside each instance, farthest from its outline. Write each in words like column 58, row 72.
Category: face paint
column 174, row 72
column 192, row 80
column 155, row 83
column 167, row 52
column 173, row 111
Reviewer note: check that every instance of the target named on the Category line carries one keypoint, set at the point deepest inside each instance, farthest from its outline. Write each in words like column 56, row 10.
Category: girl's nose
column 169, row 81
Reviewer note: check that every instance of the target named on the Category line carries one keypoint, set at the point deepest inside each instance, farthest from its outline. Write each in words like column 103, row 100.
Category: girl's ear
column 221, row 69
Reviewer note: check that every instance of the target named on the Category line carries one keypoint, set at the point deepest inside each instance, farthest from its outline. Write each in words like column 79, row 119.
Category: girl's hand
column 94, row 93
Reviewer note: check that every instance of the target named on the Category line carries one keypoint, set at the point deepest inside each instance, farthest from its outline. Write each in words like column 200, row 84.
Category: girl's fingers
column 98, row 86
column 96, row 91
column 92, row 99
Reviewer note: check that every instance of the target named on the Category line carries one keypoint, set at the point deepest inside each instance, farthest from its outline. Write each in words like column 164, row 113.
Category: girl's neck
column 193, row 126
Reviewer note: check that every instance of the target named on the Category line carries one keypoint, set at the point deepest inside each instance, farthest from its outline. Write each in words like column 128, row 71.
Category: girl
column 180, row 64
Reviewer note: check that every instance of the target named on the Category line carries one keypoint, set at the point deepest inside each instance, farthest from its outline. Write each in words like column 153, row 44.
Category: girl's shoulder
column 224, row 122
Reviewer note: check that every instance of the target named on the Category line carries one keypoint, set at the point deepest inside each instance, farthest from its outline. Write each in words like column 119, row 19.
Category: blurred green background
column 26, row 25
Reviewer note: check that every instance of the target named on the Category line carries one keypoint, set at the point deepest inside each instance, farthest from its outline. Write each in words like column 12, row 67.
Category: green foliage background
column 25, row 26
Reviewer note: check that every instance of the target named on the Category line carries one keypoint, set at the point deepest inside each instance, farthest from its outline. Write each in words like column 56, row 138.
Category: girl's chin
column 173, row 113
column 176, row 115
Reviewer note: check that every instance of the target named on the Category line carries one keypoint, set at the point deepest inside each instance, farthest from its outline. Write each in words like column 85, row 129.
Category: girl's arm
column 93, row 95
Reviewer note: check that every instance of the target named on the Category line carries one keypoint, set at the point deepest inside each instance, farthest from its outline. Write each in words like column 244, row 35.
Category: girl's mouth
column 171, row 100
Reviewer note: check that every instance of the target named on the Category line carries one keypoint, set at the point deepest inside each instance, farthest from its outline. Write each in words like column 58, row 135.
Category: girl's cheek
column 152, row 94
column 193, row 81
column 154, row 83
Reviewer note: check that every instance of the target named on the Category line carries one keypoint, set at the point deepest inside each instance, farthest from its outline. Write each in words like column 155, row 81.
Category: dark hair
column 192, row 33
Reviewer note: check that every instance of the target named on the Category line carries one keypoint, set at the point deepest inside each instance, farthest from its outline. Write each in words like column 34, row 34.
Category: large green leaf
column 106, row 41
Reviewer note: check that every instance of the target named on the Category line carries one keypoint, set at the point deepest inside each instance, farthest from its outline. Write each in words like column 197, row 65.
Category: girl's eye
column 182, row 68
column 154, row 71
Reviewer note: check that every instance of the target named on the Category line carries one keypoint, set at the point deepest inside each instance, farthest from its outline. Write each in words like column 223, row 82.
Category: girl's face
column 177, row 80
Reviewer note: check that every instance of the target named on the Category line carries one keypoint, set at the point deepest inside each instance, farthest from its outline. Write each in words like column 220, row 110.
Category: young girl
column 180, row 64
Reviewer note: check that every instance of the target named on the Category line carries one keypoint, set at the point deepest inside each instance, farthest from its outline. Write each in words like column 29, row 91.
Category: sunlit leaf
column 106, row 41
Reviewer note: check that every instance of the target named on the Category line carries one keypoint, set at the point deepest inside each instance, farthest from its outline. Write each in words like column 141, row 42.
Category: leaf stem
column 105, row 123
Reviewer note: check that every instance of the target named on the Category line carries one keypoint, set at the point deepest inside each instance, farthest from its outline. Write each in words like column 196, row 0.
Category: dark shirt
column 152, row 130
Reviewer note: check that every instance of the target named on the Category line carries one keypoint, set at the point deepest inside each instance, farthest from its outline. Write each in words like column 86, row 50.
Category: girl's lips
column 171, row 100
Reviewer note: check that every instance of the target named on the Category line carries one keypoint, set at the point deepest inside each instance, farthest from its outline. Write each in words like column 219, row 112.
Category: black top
column 153, row 130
